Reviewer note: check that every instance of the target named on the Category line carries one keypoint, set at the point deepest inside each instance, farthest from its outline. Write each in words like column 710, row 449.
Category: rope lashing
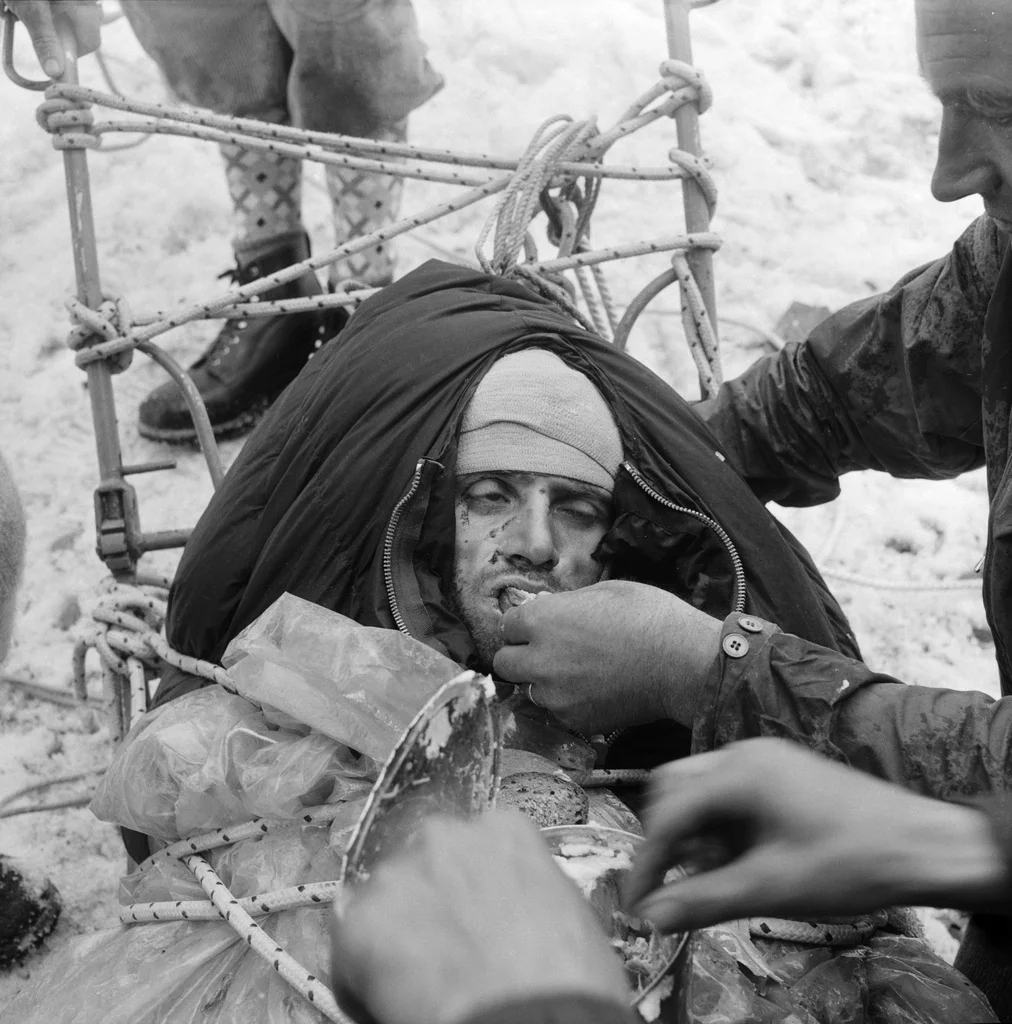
column 680, row 84
column 296, row 270
column 561, row 152
column 554, row 140
column 308, row 985
column 307, row 895
column 238, row 913
column 696, row 169
column 69, row 120
column 216, row 838
column 677, row 75
column 350, row 299
column 125, row 632
column 699, row 332
column 111, row 321
column 249, row 132
column 839, row 931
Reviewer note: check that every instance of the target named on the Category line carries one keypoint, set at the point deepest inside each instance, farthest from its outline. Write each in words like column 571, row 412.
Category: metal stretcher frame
column 120, row 540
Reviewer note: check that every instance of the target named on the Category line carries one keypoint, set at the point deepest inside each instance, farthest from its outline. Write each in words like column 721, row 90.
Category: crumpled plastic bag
column 889, row 979
column 360, row 685
column 212, row 759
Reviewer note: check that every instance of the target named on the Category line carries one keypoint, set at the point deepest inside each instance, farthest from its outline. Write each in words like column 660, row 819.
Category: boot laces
column 232, row 329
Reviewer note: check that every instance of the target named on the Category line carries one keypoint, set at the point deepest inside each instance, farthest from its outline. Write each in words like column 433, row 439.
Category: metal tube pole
column 697, row 214
column 117, row 520
column 89, row 284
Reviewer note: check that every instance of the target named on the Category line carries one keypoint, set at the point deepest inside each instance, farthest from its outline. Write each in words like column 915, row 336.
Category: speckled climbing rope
column 699, row 331
column 307, row 895
column 561, row 152
column 306, row 984
column 850, row 931
column 228, row 834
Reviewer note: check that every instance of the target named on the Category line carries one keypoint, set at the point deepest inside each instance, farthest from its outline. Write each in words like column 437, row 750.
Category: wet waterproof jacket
column 344, row 495
column 918, row 383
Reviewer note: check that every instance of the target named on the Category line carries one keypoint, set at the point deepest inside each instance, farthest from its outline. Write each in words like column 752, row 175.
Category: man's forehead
column 965, row 44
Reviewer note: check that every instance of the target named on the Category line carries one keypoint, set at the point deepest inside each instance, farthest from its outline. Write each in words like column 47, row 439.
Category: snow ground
column 821, row 137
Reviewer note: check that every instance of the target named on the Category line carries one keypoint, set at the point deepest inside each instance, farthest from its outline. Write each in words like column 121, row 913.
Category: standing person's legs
column 359, row 68
column 229, row 55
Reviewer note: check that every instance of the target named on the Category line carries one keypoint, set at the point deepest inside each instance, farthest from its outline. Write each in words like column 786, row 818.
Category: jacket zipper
column 388, row 547
column 739, row 570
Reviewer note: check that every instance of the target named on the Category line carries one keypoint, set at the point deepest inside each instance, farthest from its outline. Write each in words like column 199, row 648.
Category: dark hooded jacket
column 918, row 383
column 344, row 493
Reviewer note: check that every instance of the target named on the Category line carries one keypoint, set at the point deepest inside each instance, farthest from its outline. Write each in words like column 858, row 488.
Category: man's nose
column 529, row 539
column 964, row 166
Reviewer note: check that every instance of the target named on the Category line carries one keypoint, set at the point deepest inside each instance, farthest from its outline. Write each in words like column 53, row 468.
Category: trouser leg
column 358, row 68
column 231, row 57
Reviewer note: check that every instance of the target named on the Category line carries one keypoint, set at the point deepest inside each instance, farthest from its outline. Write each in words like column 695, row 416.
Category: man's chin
column 488, row 640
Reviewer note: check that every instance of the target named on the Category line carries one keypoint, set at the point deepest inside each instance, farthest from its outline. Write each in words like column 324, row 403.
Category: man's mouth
column 513, row 597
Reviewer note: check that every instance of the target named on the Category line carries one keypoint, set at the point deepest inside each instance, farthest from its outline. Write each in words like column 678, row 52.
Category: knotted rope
column 69, row 119
column 561, row 152
column 834, row 931
column 125, row 631
column 111, row 321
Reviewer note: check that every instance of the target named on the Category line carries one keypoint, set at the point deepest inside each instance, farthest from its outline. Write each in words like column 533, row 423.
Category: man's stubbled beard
column 486, row 632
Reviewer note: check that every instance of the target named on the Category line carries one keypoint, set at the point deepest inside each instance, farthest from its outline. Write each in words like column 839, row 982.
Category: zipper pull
column 980, row 564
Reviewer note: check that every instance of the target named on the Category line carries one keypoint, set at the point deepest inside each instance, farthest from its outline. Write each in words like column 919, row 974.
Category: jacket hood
column 344, row 493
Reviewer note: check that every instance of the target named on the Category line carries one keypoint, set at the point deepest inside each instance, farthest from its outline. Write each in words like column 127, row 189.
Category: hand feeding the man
column 538, row 454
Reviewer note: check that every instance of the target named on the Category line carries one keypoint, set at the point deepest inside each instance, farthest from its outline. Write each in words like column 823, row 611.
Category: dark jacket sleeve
column 891, row 382
column 562, row 1009
column 949, row 744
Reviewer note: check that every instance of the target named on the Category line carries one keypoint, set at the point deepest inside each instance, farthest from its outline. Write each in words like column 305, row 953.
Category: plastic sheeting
column 360, row 685
column 890, row 979
column 212, row 759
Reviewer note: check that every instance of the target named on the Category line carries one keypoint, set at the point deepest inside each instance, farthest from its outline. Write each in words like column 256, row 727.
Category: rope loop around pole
column 112, row 321
column 126, row 632
column 68, row 121
column 696, row 169
column 676, row 74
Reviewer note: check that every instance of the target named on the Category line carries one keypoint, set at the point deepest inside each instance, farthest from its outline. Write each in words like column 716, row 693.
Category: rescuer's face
column 965, row 52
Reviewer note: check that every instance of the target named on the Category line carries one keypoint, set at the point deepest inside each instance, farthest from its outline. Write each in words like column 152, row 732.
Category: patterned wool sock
column 266, row 191
column 362, row 202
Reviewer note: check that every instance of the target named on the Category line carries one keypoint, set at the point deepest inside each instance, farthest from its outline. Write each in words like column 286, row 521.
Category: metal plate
column 593, row 841
column 447, row 762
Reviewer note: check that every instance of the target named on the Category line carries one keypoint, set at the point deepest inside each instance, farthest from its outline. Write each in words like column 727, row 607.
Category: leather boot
column 29, row 908
column 251, row 361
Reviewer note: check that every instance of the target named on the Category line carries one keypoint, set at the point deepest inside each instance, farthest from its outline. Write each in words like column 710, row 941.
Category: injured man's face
column 520, row 534
column 536, row 462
